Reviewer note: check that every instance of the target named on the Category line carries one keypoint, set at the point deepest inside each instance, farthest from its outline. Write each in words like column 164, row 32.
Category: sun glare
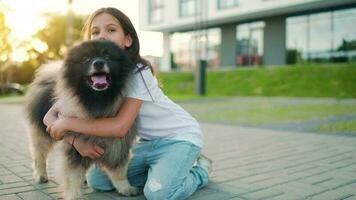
column 24, row 19
column 19, row 55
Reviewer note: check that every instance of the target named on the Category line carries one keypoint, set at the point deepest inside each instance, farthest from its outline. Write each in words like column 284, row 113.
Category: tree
column 5, row 47
column 54, row 34
column 347, row 45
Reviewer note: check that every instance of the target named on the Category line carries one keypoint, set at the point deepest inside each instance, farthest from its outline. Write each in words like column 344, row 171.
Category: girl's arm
column 85, row 149
column 116, row 126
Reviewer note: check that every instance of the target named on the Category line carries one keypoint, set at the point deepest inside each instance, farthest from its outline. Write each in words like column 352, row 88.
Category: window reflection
column 322, row 37
column 249, row 43
column 188, row 8
column 186, row 49
column 156, row 11
column 227, row 3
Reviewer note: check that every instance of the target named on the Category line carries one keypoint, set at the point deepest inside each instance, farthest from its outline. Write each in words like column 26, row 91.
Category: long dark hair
column 129, row 29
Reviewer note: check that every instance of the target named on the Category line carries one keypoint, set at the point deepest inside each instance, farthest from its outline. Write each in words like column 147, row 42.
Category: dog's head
column 97, row 67
column 96, row 72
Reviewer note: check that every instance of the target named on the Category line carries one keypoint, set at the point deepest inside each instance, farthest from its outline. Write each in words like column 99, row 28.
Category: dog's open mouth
column 99, row 81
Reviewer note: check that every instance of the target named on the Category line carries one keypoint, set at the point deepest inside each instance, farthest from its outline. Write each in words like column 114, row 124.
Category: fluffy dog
column 88, row 84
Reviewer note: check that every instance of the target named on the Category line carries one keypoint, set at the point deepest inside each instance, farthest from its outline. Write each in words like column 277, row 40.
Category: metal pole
column 202, row 50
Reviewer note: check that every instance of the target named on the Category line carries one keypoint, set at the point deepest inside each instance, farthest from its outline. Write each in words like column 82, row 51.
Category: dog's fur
column 72, row 84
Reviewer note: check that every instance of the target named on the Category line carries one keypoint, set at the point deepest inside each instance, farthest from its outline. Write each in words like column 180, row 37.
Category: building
column 252, row 32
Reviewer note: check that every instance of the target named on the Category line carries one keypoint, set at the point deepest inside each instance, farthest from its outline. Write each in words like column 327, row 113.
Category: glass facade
column 188, row 46
column 156, row 11
column 222, row 4
column 188, row 8
column 322, row 37
column 249, row 44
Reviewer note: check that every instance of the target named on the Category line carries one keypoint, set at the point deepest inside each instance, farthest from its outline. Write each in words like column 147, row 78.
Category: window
column 249, row 43
column 188, row 8
column 186, row 50
column 222, row 4
column 156, row 8
column 344, row 39
column 322, row 37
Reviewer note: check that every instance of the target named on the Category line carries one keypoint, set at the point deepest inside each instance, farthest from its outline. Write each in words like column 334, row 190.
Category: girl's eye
column 94, row 33
column 111, row 30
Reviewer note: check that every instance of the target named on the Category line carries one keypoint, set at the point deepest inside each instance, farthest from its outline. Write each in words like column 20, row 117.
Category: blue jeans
column 162, row 167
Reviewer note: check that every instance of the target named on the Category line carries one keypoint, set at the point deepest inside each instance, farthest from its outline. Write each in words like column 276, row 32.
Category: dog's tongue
column 99, row 80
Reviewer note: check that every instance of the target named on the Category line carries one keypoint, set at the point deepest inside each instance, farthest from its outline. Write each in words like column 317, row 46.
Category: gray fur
column 51, row 84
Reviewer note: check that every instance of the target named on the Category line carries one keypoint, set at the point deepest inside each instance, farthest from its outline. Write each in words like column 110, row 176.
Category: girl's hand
column 58, row 128
column 87, row 149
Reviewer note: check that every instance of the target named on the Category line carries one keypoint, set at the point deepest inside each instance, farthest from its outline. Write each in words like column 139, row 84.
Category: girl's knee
column 153, row 190
column 154, row 195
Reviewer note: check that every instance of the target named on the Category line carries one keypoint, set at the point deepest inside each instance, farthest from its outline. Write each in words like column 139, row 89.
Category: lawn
column 309, row 98
column 301, row 114
column 335, row 81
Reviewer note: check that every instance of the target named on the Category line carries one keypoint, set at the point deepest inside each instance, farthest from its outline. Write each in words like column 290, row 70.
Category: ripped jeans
column 162, row 167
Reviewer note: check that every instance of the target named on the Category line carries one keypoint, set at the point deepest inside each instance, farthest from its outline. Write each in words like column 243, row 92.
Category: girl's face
column 107, row 27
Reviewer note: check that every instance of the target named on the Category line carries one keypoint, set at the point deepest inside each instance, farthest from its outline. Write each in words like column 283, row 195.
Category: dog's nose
column 99, row 64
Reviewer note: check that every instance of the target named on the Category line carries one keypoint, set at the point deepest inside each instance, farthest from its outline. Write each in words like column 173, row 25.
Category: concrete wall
column 274, row 41
column 165, row 64
column 228, row 45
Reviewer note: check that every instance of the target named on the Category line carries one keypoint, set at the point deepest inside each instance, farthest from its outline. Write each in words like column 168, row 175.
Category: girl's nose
column 102, row 36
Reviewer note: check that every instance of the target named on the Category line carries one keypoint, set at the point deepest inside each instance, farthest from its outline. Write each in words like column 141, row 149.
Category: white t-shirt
column 160, row 117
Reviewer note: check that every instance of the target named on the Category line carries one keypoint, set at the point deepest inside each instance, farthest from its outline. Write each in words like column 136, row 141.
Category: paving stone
column 114, row 195
column 331, row 195
column 249, row 163
column 214, row 196
column 10, row 197
column 10, row 178
column 232, row 190
column 13, row 185
column 34, row 195
column 263, row 194
column 299, row 190
column 203, row 193
column 16, row 190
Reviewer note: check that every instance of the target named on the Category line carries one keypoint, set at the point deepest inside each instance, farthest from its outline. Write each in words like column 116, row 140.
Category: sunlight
column 25, row 18
column 39, row 45
column 23, row 21
column 20, row 55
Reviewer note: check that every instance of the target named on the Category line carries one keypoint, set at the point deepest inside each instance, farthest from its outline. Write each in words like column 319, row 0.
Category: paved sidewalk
column 248, row 164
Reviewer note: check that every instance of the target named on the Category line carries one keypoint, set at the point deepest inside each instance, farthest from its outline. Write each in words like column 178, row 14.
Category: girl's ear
column 128, row 40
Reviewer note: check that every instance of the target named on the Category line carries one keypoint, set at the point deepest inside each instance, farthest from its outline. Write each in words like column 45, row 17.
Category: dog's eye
column 106, row 57
column 86, row 59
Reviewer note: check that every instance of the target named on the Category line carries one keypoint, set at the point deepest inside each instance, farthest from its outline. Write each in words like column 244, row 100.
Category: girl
column 167, row 162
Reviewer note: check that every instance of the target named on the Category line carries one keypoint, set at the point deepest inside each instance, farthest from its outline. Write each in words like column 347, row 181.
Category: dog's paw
column 40, row 178
column 129, row 191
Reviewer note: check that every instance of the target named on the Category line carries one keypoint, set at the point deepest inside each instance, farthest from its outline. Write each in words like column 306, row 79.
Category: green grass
column 11, row 99
column 338, row 81
column 348, row 127
column 332, row 81
column 254, row 113
column 296, row 113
